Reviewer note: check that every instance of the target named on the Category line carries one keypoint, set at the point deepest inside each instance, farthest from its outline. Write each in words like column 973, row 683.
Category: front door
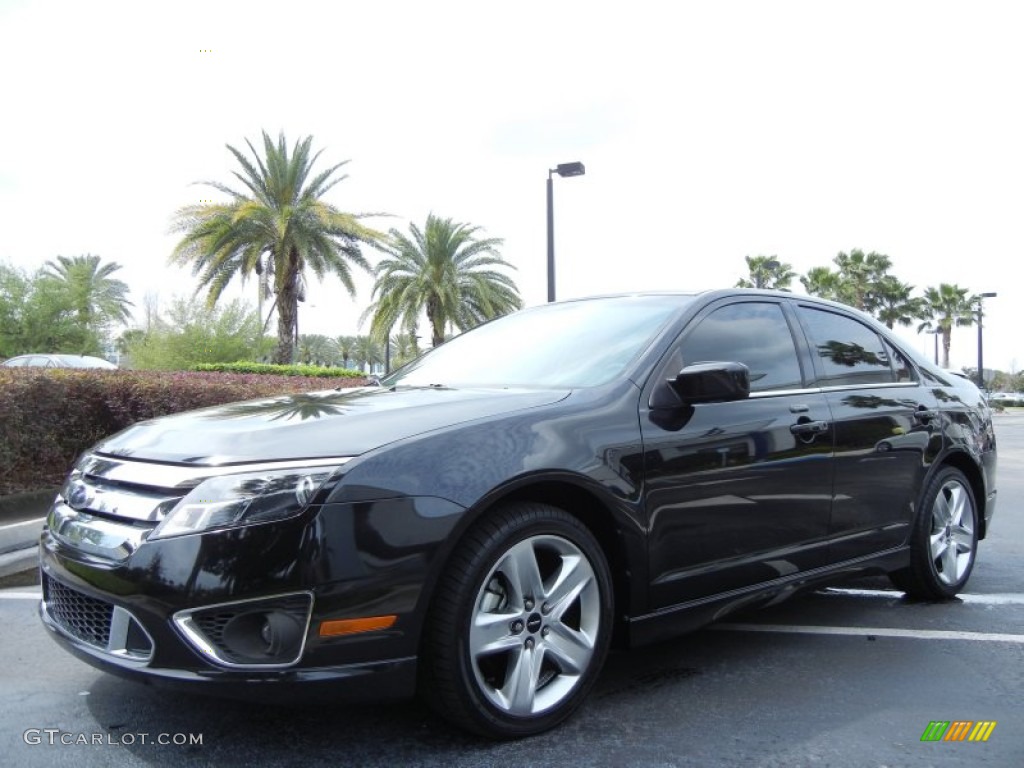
column 737, row 494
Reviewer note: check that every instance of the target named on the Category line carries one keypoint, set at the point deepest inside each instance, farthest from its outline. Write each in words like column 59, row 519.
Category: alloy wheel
column 952, row 539
column 534, row 625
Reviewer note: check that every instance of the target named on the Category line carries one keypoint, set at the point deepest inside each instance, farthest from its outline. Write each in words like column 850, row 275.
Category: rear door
column 886, row 425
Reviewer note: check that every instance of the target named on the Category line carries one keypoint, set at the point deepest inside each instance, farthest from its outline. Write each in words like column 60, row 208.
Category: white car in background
column 58, row 361
column 1007, row 398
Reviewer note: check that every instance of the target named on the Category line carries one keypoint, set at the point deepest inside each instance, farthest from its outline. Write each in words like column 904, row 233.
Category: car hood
column 314, row 424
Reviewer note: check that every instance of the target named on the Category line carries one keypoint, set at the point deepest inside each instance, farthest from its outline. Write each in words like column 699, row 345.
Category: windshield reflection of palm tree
column 944, row 396
column 301, row 406
column 874, row 401
column 850, row 355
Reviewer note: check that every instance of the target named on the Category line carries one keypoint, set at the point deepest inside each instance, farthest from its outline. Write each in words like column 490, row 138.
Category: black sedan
column 486, row 522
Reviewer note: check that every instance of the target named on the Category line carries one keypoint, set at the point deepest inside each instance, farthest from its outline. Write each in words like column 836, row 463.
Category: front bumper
column 334, row 563
column 386, row 679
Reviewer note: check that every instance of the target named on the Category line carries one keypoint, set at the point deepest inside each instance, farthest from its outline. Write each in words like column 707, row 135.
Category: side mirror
column 712, row 382
column 704, row 383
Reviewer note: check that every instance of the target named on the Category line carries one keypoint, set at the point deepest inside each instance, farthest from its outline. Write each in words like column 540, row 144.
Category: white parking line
column 21, row 595
column 1007, row 598
column 32, row 523
column 917, row 634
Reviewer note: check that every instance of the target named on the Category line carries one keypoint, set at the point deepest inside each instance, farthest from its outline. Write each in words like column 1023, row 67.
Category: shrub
column 281, row 370
column 1005, row 402
column 49, row 416
column 190, row 332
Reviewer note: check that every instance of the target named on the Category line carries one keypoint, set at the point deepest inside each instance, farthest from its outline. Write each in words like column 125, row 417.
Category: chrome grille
column 139, row 492
column 79, row 615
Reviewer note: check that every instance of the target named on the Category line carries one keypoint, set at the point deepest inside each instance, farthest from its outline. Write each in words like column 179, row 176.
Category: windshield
column 575, row 344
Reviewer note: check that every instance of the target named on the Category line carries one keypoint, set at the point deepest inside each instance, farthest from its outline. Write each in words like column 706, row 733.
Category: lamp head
column 570, row 169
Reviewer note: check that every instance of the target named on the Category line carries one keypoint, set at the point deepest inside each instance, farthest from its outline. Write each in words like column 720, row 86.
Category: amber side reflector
column 355, row 626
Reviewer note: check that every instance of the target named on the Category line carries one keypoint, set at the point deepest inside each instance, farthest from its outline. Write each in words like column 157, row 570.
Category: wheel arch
column 570, row 494
column 970, row 469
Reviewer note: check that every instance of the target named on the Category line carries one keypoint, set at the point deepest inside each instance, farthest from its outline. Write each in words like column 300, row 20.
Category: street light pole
column 551, row 240
column 563, row 169
column 981, row 358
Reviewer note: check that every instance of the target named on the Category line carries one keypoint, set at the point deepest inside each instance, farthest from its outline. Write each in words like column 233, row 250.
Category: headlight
column 228, row 501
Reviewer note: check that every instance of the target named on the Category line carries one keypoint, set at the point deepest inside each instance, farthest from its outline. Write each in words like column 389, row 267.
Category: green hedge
column 998, row 402
column 263, row 369
column 48, row 416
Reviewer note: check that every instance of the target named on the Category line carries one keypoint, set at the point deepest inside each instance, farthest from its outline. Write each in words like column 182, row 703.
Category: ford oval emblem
column 79, row 495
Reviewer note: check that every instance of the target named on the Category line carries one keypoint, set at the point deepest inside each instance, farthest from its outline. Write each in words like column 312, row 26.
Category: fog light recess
column 264, row 633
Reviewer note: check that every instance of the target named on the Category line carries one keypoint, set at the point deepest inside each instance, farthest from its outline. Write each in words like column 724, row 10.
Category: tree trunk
column 437, row 334
column 945, row 347
column 287, row 311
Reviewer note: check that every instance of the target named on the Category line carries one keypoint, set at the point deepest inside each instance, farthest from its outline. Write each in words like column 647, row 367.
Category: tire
column 944, row 540
column 520, row 623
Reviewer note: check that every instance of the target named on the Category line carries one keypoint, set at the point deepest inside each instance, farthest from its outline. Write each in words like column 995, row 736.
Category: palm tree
column 943, row 307
column 823, row 282
column 316, row 349
column 859, row 273
column 96, row 298
column 277, row 227
column 767, row 272
column 893, row 302
column 403, row 349
column 855, row 281
column 345, row 345
column 444, row 270
column 367, row 352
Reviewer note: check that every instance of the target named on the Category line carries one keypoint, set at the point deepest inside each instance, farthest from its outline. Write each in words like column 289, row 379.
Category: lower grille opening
column 79, row 615
column 97, row 623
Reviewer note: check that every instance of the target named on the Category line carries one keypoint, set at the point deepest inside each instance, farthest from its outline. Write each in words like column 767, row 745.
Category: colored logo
column 958, row 730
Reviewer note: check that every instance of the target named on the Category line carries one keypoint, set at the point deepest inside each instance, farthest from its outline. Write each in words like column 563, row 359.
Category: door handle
column 805, row 428
column 924, row 415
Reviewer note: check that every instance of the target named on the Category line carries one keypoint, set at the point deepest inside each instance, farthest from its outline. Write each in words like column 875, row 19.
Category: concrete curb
column 23, row 560
column 21, row 521
column 30, row 505
column 14, row 536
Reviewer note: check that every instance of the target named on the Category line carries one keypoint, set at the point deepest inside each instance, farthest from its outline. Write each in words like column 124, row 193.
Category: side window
column 753, row 333
column 900, row 365
column 849, row 351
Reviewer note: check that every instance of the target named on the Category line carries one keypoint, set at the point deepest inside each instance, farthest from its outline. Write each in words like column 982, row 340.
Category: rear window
column 848, row 351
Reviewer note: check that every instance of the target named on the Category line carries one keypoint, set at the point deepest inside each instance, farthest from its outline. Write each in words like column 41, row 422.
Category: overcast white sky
column 709, row 131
